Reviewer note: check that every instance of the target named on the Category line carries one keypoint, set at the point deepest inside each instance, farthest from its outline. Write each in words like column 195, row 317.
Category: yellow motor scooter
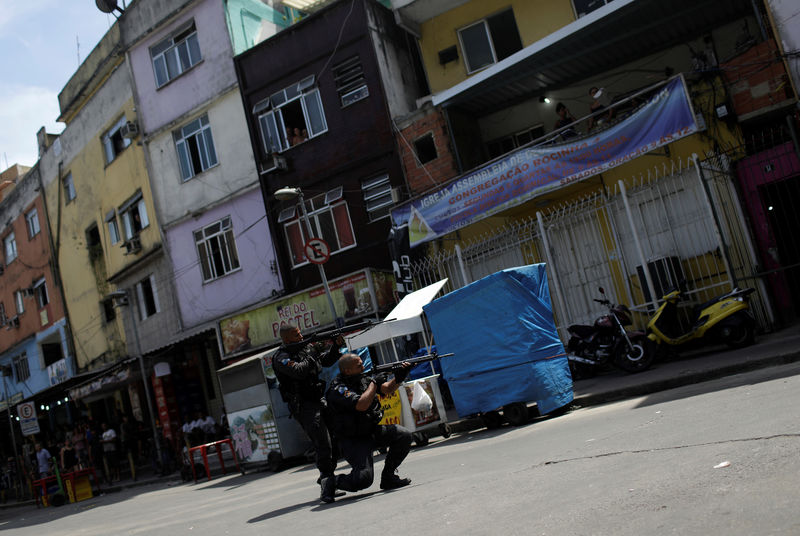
column 726, row 319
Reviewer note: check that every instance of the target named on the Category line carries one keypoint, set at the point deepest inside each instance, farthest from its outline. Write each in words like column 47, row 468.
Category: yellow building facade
column 102, row 215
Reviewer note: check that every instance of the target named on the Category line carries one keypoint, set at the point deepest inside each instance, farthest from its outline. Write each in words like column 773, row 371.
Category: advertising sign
column 422, row 417
column 392, row 408
column 57, row 372
column 28, row 422
column 352, row 297
column 254, row 433
column 532, row 171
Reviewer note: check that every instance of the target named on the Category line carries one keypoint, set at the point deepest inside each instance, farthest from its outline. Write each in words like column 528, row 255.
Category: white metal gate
column 681, row 222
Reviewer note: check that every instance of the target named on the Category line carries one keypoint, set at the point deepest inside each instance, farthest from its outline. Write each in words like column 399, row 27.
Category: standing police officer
column 357, row 411
column 297, row 367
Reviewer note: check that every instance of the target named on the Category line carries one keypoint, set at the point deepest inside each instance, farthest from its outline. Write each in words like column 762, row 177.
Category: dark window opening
column 51, row 352
column 505, row 35
column 426, row 149
column 109, row 313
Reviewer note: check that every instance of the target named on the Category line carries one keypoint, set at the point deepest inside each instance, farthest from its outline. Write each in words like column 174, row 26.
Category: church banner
column 529, row 172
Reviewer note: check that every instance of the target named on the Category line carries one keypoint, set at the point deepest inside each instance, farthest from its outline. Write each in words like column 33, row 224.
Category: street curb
column 593, row 399
column 653, row 386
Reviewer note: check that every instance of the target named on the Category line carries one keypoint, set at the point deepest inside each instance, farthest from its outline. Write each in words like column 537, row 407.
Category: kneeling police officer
column 357, row 412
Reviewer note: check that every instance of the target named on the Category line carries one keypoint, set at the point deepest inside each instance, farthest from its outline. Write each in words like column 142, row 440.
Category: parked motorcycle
column 607, row 342
column 725, row 319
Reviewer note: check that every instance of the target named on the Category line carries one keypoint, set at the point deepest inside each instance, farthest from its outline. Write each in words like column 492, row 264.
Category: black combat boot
column 389, row 480
column 327, row 489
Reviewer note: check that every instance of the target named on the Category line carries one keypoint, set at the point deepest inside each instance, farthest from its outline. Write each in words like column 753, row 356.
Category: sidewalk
column 705, row 364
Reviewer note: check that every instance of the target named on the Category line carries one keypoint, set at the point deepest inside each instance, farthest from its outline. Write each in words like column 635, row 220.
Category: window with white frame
column 216, row 248
column 584, row 7
column 22, row 370
column 113, row 226
column 195, row 147
column 176, row 54
column 134, row 216
column 147, row 297
column 291, row 116
column 69, row 188
column 329, row 219
column 10, row 244
column 377, row 196
column 19, row 302
column 113, row 141
column 32, row 220
column 490, row 40
column 40, row 292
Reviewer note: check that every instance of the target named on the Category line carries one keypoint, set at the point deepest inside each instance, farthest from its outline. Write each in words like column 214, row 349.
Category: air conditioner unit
column 273, row 162
column 133, row 245
column 12, row 322
column 129, row 130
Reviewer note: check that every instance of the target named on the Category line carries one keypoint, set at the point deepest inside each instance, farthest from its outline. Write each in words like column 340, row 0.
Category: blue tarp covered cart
column 504, row 338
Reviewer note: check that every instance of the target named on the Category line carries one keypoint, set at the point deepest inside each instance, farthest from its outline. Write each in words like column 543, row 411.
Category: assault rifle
column 397, row 365
column 330, row 334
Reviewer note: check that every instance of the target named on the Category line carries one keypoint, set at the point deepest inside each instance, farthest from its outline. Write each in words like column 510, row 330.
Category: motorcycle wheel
column 582, row 371
column 742, row 335
column 638, row 358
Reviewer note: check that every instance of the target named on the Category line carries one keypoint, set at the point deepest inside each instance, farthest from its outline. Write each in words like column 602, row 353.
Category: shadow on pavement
column 721, row 384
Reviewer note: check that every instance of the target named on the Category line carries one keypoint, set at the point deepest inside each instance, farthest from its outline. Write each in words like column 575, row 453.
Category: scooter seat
column 581, row 330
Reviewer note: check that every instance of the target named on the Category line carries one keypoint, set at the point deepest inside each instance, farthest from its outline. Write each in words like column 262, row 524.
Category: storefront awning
column 254, row 357
column 103, row 380
column 605, row 39
column 404, row 319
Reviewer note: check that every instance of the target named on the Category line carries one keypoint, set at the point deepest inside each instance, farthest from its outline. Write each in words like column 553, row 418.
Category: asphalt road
column 643, row 466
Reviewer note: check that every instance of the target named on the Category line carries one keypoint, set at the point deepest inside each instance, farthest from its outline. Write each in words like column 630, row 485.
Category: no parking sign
column 28, row 422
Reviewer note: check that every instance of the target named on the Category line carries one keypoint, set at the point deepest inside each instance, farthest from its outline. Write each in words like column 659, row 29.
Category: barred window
column 21, row 368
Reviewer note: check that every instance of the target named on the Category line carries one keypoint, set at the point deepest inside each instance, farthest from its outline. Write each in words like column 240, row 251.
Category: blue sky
column 38, row 54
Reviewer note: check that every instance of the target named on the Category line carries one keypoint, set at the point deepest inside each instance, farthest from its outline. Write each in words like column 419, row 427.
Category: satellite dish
column 106, row 6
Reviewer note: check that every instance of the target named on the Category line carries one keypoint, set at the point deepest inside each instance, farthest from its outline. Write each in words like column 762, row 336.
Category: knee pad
column 364, row 478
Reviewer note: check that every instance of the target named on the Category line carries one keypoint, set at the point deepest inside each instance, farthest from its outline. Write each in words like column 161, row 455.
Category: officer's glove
column 380, row 378
column 401, row 372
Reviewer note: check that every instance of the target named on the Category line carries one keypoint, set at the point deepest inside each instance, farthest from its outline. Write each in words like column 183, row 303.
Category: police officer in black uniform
column 297, row 367
column 356, row 412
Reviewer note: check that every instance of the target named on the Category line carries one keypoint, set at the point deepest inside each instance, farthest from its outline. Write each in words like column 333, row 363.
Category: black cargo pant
column 358, row 453
column 310, row 415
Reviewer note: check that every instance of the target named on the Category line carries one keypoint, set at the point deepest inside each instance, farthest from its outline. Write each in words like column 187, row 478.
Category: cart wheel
column 516, row 413
column 274, row 461
column 492, row 419
column 444, row 428
column 420, row 439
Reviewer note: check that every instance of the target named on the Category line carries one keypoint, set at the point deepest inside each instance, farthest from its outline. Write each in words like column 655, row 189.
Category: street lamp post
column 124, row 299
column 288, row 194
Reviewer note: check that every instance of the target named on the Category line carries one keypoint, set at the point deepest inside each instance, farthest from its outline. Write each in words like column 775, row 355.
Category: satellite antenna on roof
column 107, row 6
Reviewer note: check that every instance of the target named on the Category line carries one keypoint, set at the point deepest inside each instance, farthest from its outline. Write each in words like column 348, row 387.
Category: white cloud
column 24, row 110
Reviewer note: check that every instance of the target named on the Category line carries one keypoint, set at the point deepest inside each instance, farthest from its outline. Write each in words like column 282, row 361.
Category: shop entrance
column 780, row 201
